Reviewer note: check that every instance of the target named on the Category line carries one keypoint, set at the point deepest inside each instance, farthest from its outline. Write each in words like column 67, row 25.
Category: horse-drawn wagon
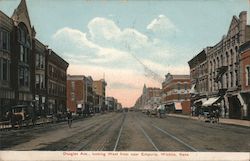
column 21, row 115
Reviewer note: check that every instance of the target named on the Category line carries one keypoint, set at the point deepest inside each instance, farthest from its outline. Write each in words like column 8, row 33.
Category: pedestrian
column 217, row 114
column 69, row 116
column 200, row 113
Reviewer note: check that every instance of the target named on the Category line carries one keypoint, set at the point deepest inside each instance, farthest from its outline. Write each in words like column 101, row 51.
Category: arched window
column 222, row 60
column 218, row 62
column 236, row 54
column 211, row 66
column 214, row 67
column 227, row 59
column 236, row 49
column 232, row 56
column 24, row 43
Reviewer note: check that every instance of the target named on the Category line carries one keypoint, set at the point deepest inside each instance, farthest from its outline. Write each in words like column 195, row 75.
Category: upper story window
column 40, row 60
column 40, row 81
column 185, row 86
column 4, row 69
column 72, row 86
column 4, row 40
column 178, row 86
column 24, row 43
column 24, row 76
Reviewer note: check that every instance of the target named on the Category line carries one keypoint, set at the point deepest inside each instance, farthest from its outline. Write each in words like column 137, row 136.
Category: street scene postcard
column 85, row 80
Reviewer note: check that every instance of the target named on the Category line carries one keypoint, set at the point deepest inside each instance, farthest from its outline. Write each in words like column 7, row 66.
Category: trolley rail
column 100, row 131
column 167, row 134
column 119, row 135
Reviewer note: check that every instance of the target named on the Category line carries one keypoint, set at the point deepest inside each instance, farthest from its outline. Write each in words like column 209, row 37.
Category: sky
column 129, row 43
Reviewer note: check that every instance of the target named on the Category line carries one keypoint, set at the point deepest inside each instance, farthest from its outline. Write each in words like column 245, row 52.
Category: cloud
column 119, row 85
column 162, row 26
column 102, row 28
column 122, row 54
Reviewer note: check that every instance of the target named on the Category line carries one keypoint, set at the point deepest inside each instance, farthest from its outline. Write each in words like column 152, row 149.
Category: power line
column 148, row 72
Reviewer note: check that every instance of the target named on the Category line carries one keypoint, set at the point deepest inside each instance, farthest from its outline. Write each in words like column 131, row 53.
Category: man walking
column 69, row 116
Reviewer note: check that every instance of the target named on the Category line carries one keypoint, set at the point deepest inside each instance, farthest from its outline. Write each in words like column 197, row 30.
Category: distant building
column 99, row 88
column 245, row 76
column 153, row 97
column 80, row 95
column 150, row 98
column 175, row 91
column 111, row 103
column 119, row 106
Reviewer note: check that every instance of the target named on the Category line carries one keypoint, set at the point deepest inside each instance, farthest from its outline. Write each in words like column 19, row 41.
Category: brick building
column 199, row 79
column 56, row 79
column 175, row 91
column 99, row 88
column 245, row 75
column 23, row 59
column 150, row 98
column 111, row 103
column 223, row 69
column 7, row 92
column 80, row 94
column 17, row 70
column 40, row 51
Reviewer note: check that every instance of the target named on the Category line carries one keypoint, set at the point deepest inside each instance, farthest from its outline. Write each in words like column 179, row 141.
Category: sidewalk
column 222, row 120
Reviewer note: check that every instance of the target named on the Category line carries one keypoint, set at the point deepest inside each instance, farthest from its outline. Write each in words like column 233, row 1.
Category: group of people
column 157, row 112
column 211, row 114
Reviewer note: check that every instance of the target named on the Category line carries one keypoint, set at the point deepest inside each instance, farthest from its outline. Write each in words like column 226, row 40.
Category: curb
column 225, row 123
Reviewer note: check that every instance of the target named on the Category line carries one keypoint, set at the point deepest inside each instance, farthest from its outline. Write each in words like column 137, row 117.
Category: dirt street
column 129, row 131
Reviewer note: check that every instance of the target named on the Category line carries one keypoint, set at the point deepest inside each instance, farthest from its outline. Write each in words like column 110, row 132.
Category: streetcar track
column 173, row 137
column 101, row 130
column 149, row 139
column 120, row 131
column 146, row 135
column 84, row 144
column 91, row 124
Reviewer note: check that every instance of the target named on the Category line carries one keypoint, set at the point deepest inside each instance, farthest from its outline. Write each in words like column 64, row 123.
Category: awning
column 178, row 106
column 202, row 100
column 192, row 90
column 210, row 101
column 161, row 107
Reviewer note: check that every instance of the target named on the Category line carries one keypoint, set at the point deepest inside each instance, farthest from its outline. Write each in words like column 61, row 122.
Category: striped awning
column 210, row 101
column 202, row 100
